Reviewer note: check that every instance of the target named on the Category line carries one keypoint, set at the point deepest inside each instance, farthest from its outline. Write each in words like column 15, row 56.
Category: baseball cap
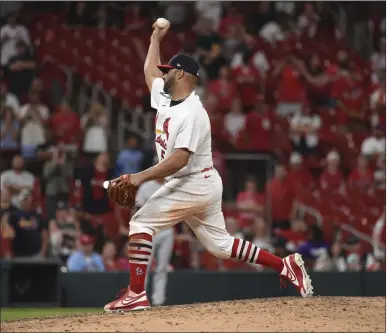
column 181, row 61
column 86, row 239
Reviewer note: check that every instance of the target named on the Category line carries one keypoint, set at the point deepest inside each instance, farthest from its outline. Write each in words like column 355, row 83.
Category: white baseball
column 106, row 184
column 162, row 23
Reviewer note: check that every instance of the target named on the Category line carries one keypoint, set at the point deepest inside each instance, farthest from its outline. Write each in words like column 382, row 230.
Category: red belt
column 207, row 169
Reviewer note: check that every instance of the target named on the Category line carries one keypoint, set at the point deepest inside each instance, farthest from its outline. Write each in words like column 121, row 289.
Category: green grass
column 23, row 313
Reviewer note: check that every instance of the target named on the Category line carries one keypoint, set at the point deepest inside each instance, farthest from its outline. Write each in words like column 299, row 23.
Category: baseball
column 106, row 184
column 162, row 23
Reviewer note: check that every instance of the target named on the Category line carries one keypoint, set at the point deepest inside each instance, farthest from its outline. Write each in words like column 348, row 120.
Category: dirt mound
column 318, row 314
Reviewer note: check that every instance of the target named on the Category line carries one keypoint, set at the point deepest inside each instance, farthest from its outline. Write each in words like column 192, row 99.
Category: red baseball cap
column 86, row 239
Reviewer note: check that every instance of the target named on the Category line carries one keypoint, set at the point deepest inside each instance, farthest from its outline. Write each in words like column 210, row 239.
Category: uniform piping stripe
column 246, row 257
column 140, row 256
column 234, row 250
column 139, row 261
column 139, row 252
column 253, row 255
column 239, row 248
column 141, row 245
column 132, row 259
column 243, row 247
column 256, row 255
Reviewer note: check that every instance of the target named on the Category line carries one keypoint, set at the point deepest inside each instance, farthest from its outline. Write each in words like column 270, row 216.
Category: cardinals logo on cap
column 166, row 126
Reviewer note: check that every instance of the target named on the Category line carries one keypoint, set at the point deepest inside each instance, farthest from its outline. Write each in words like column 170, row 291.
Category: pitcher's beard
column 168, row 85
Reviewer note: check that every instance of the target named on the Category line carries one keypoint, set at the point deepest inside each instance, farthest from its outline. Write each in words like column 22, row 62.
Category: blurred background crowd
column 298, row 83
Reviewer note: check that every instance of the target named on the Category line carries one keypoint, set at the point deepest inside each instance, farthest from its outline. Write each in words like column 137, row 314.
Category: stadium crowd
column 298, row 107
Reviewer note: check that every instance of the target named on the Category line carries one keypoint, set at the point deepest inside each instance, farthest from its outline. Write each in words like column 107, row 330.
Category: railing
column 137, row 122
column 343, row 226
column 361, row 235
column 310, row 210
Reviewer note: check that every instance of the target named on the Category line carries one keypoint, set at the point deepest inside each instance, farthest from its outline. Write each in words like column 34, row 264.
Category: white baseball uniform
column 162, row 247
column 194, row 193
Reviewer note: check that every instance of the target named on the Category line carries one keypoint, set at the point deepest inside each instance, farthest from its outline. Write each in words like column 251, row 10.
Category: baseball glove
column 122, row 191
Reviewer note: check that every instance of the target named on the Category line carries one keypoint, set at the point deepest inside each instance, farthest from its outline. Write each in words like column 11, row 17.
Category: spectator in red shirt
column 291, row 90
column 224, row 89
column 210, row 104
column 219, row 133
column 343, row 62
column 96, row 205
column 66, row 125
column 257, row 132
column 95, row 198
column 247, row 78
column 232, row 18
column 250, row 204
column 281, row 195
column 298, row 175
column 361, row 177
column 351, row 100
column 295, row 236
column 318, row 94
column 332, row 178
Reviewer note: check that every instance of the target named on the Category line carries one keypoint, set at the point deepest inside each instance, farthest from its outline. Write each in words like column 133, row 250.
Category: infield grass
column 23, row 313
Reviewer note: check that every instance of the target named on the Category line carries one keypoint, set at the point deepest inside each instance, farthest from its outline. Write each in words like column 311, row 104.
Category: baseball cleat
column 294, row 271
column 126, row 301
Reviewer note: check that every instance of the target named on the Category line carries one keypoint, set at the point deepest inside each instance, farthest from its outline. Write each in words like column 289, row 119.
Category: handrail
column 69, row 75
column 359, row 234
column 69, row 81
column 312, row 211
column 97, row 88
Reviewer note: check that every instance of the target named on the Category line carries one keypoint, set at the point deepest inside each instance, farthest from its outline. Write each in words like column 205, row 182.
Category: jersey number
column 162, row 154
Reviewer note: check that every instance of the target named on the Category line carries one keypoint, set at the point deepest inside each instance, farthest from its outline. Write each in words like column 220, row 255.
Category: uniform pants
column 197, row 200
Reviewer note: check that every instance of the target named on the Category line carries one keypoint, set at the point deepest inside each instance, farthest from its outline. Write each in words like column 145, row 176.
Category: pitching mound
column 318, row 314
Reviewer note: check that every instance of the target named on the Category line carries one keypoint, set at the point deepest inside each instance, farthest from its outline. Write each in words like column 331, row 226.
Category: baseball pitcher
column 193, row 188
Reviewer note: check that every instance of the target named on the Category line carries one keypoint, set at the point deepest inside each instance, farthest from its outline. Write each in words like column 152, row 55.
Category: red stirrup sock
column 140, row 250
column 247, row 252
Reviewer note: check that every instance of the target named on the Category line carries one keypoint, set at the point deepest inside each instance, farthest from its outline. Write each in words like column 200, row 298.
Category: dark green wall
column 42, row 284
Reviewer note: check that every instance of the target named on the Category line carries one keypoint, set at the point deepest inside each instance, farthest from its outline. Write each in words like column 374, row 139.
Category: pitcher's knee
column 221, row 248
column 136, row 226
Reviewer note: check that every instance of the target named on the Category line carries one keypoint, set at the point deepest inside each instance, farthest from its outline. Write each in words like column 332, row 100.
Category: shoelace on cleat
column 283, row 282
column 121, row 293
